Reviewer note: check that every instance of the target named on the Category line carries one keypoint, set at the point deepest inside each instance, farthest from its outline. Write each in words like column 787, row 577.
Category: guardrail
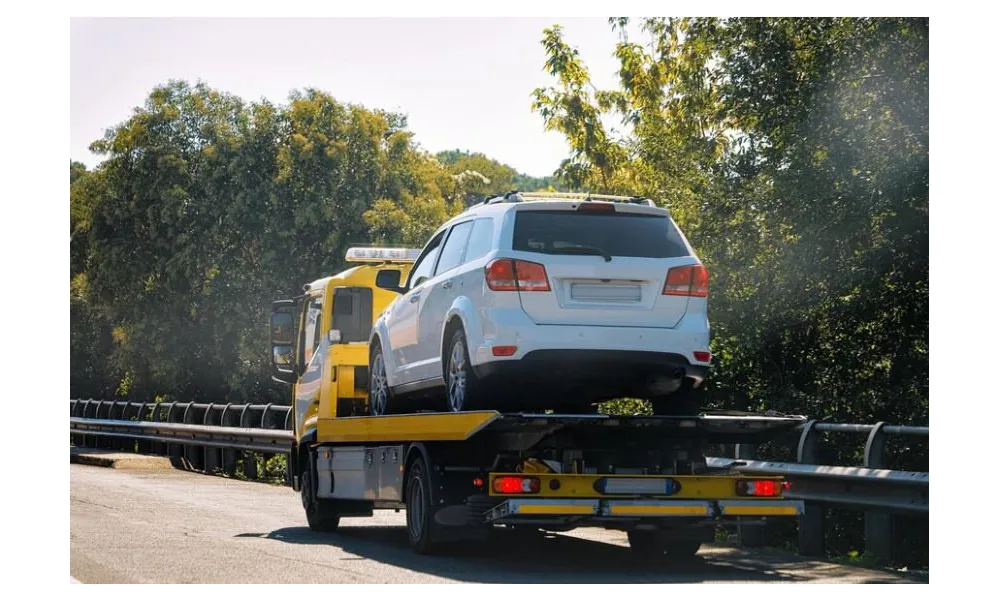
column 199, row 436
column 210, row 436
column 880, row 492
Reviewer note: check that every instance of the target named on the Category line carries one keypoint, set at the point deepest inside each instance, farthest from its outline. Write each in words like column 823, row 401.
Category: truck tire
column 654, row 544
column 462, row 388
column 419, row 510
column 321, row 514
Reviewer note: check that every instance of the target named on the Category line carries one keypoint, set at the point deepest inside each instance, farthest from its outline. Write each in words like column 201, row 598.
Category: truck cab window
column 312, row 331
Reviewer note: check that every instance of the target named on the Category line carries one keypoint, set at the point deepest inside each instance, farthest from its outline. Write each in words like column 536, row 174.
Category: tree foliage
column 794, row 154
column 206, row 208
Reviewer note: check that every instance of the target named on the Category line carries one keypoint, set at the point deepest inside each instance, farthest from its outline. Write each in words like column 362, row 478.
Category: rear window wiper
column 582, row 250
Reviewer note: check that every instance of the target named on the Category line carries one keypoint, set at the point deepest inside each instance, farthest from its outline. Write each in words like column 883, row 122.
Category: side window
column 454, row 247
column 424, row 266
column 312, row 332
column 481, row 239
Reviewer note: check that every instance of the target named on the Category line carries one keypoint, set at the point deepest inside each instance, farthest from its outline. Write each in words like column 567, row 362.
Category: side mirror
column 419, row 280
column 283, row 342
column 388, row 279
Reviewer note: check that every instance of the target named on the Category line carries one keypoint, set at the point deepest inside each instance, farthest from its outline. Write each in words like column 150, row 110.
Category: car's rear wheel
column 379, row 394
column 462, row 388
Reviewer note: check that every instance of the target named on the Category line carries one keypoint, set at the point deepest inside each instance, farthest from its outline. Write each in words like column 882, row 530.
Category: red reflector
column 596, row 207
column 516, row 485
column 477, row 482
column 786, row 485
column 702, row 356
column 766, row 488
column 763, row 487
column 504, row 350
column 691, row 280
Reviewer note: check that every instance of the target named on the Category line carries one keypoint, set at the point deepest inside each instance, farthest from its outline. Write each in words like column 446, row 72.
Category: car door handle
column 446, row 285
column 414, row 298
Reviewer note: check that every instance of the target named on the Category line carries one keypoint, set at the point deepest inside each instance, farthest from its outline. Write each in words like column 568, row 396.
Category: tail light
column 691, row 280
column 516, row 485
column 604, row 207
column 760, row 487
column 508, row 275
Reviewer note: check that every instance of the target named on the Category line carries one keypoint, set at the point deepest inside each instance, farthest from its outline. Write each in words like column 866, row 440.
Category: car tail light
column 508, row 275
column 516, row 485
column 759, row 487
column 691, row 280
column 596, row 207
column 702, row 356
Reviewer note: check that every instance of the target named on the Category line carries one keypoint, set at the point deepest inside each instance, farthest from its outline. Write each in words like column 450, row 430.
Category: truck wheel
column 685, row 402
column 462, row 389
column 419, row 517
column 321, row 513
column 654, row 544
column 379, row 394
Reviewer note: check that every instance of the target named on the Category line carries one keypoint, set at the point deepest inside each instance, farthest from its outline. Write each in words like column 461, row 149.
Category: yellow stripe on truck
column 653, row 509
column 555, row 509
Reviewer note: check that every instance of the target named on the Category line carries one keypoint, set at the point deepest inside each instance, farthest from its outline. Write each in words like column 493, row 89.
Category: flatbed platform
column 453, row 427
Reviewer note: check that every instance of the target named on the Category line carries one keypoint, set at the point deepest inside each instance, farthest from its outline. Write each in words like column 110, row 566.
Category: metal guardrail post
column 249, row 460
column 878, row 523
column 228, row 456
column 811, row 531
column 192, row 454
column 145, row 410
column 213, row 456
column 749, row 536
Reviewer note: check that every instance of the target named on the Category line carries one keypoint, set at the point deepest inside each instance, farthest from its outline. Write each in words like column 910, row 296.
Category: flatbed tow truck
column 460, row 475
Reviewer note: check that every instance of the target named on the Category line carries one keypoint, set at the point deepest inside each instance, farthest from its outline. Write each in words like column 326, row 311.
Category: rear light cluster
column 509, row 275
column 691, row 280
column 761, row 487
column 516, row 485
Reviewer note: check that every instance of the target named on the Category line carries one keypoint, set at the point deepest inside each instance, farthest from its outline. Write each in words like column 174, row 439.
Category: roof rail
column 585, row 197
column 511, row 196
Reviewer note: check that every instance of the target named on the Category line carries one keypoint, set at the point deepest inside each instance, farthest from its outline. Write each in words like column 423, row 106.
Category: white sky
column 464, row 83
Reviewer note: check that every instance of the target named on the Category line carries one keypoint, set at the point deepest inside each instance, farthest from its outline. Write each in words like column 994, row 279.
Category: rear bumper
column 599, row 509
column 594, row 372
column 512, row 327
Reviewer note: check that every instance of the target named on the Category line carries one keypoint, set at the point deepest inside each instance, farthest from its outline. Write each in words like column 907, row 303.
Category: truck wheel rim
column 415, row 509
column 456, row 377
column 380, row 391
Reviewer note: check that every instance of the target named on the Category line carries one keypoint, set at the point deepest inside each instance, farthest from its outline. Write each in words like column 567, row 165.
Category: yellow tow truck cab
column 319, row 340
column 459, row 475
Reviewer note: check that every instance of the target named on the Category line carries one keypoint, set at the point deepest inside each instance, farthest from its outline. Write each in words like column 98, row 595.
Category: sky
column 463, row 83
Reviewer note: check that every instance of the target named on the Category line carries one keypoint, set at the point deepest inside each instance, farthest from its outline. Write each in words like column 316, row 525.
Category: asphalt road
column 168, row 526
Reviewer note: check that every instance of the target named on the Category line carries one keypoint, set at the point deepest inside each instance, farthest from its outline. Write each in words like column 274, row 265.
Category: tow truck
column 461, row 475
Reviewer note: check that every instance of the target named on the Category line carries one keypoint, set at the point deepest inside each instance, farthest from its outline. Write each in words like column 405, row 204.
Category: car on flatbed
column 576, row 299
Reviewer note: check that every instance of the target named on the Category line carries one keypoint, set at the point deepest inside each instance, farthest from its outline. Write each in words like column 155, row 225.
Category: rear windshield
column 617, row 234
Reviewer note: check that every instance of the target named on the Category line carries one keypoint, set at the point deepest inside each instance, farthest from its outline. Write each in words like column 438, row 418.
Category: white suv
column 556, row 303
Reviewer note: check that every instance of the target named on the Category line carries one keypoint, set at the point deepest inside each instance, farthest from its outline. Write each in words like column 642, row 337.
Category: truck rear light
column 759, row 487
column 691, row 280
column 702, row 356
column 504, row 350
column 508, row 275
column 516, row 485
